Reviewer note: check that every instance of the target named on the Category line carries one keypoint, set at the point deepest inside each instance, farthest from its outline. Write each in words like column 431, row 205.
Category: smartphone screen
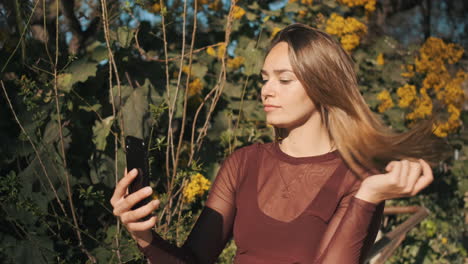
column 137, row 158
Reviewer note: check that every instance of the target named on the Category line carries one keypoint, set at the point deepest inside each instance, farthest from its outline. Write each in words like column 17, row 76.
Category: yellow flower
column 215, row 5
column 238, row 12
column 444, row 240
column 350, row 30
column 221, row 50
column 307, row 2
column 380, row 59
column 386, row 101
column 185, row 69
column 156, row 8
column 423, row 108
column 350, row 41
column 236, row 62
column 369, row 5
column 195, row 87
column 195, row 188
column 407, row 94
column 302, row 13
column 211, row 51
column 275, row 31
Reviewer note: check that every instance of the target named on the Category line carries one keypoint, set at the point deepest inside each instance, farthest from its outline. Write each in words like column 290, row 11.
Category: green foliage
column 97, row 111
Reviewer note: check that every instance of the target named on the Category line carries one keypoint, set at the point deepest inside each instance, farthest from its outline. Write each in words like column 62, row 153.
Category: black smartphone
column 137, row 158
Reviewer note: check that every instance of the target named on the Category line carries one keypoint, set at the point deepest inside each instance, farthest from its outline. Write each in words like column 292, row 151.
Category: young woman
column 316, row 194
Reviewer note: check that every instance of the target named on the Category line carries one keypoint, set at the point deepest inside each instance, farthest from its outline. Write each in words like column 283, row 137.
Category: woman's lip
column 268, row 108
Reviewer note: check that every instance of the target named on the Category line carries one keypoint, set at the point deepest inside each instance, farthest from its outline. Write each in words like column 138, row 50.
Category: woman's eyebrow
column 278, row 71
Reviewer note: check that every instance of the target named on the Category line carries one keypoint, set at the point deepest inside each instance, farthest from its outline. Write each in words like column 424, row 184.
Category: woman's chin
column 277, row 124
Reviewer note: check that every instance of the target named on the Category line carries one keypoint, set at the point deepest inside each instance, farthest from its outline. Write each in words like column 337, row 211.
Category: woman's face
column 285, row 100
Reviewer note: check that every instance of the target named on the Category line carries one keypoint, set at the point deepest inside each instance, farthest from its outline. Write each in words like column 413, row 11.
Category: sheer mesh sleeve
column 352, row 230
column 213, row 228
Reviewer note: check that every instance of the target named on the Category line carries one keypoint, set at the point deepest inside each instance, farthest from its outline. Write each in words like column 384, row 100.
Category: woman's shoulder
column 252, row 149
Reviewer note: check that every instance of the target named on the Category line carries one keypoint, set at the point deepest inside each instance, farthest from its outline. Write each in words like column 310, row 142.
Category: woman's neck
column 309, row 139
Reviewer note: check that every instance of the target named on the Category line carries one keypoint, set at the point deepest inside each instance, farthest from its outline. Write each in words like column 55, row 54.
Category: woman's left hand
column 404, row 178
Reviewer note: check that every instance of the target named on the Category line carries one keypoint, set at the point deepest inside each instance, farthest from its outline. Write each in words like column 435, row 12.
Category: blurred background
column 77, row 76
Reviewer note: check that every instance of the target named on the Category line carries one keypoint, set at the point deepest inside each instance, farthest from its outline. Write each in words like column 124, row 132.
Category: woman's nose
column 268, row 89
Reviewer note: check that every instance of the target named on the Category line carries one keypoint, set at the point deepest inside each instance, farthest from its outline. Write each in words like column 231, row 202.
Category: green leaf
column 220, row 123
column 125, row 36
column 101, row 130
column 100, row 53
column 134, row 111
column 64, row 82
column 81, row 70
column 232, row 90
column 253, row 58
column 125, row 92
column 293, row 7
column 90, row 108
column 102, row 170
column 251, row 16
column 199, row 70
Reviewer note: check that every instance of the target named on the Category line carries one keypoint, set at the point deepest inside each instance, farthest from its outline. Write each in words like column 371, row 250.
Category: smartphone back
column 137, row 158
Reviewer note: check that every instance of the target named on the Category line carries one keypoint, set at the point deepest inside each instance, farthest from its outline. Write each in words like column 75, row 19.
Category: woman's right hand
column 122, row 204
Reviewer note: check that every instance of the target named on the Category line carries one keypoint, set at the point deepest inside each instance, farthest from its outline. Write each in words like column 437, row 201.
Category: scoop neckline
column 308, row 159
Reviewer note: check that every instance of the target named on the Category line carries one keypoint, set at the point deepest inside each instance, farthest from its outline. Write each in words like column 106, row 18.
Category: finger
column 122, row 185
column 425, row 179
column 413, row 176
column 394, row 174
column 124, row 205
column 390, row 166
column 142, row 226
column 137, row 214
column 405, row 167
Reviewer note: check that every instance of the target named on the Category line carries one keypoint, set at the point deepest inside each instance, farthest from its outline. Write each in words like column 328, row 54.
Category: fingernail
column 134, row 172
column 155, row 202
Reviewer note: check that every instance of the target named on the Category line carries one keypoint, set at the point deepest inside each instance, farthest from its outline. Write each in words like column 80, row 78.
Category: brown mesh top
column 279, row 209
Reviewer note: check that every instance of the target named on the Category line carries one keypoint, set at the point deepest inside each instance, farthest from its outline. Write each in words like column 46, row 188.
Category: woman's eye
column 285, row 81
column 264, row 81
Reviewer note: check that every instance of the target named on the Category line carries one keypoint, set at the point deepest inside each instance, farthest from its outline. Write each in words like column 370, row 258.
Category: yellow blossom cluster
column 407, row 94
column 236, row 62
column 214, row 5
column 219, row 52
column 350, row 30
column 156, row 8
column 369, row 5
column 238, row 12
column 422, row 107
column 380, row 59
column 275, row 31
column 305, row 2
column 386, row 101
column 196, row 187
column 195, row 87
column 185, row 69
column 302, row 13
column 431, row 64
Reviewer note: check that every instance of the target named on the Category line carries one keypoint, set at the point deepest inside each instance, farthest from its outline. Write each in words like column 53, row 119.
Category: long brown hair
column 365, row 143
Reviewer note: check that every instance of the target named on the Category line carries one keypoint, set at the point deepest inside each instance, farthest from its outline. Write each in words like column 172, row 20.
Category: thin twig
column 187, row 82
column 35, row 150
column 221, row 78
column 168, row 91
column 146, row 57
column 62, row 142
column 21, row 38
column 112, row 67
